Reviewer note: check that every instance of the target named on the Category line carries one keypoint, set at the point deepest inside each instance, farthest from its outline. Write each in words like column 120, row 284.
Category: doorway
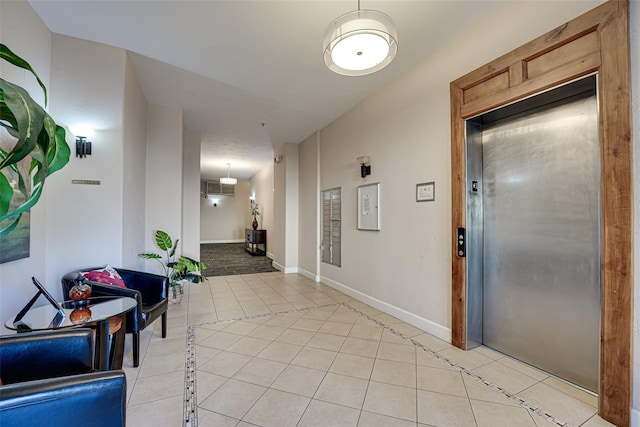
column 595, row 42
column 533, row 231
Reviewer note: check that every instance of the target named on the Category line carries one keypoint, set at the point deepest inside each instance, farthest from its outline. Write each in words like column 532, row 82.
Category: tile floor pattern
column 326, row 359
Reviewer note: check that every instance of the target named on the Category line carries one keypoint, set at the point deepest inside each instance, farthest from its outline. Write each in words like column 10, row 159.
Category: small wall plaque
column 85, row 181
column 426, row 192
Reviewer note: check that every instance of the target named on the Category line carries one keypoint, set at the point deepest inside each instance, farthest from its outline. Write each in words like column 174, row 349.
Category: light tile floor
column 327, row 360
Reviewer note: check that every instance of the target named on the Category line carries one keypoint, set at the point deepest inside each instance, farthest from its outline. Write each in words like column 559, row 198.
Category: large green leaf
column 33, row 199
column 38, row 137
column 6, row 194
column 150, row 256
column 9, row 56
column 28, row 117
column 173, row 249
column 163, row 240
column 10, row 227
column 59, row 152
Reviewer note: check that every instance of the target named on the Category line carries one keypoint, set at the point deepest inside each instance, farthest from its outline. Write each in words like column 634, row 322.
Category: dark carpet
column 226, row 259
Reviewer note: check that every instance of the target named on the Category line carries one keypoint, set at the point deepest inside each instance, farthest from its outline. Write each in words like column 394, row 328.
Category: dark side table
column 255, row 241
column 93, row 312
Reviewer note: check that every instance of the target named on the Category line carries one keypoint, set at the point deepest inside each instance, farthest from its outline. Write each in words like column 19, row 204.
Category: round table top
column 76, row 314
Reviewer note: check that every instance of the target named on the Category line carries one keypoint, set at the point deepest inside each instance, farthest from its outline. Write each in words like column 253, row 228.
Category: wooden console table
column 255, row 241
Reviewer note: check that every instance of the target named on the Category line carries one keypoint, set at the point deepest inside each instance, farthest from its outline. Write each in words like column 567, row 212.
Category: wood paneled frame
column 596, row 42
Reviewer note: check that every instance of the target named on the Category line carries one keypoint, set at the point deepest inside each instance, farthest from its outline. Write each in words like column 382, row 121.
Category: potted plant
column 255, row 211
column 39, row 149
column 184, row 268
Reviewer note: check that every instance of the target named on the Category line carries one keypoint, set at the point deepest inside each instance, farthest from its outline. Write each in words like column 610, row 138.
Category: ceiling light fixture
column 360, row 42
column 227, row 179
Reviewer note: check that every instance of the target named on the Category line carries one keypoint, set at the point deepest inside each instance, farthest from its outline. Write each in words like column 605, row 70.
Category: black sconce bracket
column 83, row 147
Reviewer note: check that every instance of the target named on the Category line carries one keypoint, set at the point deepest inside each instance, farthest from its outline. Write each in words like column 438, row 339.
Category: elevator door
column 541, row 237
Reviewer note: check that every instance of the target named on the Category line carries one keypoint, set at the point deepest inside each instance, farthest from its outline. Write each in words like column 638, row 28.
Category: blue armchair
column 149, row 291
column 48, row 380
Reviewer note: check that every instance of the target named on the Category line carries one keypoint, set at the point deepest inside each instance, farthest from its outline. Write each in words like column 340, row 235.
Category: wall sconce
column 83, row 147
column 365, row 167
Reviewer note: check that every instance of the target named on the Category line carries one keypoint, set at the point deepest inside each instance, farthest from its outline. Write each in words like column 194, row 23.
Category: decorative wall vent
column 214, row 187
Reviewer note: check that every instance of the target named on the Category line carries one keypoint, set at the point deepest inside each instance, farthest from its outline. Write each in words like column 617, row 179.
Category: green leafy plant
column 184, row 268
column 38, row 140
column 255, row 210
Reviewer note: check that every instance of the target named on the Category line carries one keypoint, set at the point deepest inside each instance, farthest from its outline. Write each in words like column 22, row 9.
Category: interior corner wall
column 262, row 190
column 405, row 268
column 85, row 222
column 191, row 194
column 309, row 207
column 22, row 30
column 163, row 210
column 277, row 238
column 634, row 26
column 291, row 224
column 134, row 163
column 223, row 219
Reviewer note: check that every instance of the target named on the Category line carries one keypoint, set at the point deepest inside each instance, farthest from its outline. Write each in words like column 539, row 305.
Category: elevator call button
column 461, row 243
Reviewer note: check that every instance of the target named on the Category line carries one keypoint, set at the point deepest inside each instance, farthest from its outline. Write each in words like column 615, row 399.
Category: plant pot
column 177, row 299
column 176, row 292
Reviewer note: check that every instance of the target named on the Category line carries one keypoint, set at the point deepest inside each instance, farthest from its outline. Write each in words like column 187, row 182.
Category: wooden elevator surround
column 595, row 42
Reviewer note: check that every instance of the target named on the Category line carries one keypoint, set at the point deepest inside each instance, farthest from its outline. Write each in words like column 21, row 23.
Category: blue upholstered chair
column 48, row 380
column 149, row 291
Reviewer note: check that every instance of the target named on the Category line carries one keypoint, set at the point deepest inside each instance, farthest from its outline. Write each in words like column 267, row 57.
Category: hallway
column 327, row 359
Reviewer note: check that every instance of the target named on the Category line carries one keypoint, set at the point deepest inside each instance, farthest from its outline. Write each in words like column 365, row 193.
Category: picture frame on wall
column 369, row 207
column 426, row 192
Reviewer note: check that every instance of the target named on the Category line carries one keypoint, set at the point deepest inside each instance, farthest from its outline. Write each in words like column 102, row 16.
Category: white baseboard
column 309, row 275
column 635, row 417
column 222, row 241
column 426, row 325
column 285, row 270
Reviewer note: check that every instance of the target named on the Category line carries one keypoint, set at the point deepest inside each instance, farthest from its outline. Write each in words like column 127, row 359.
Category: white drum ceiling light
column 227, row 179
column 360, row 42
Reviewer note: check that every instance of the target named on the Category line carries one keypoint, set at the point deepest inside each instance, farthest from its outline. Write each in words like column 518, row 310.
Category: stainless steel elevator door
column 541, row 221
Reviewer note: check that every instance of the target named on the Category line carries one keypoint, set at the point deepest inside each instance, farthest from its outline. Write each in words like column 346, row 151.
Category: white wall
column 85, row 222
column 286, row 210
column 262, row 189
column 35, row 47
column 226, row 222
column 134, row 161
column 309, row 206
column 292, row 210
column 191, row 195
column 163, row 176
column 278, row 237
column 405, row 268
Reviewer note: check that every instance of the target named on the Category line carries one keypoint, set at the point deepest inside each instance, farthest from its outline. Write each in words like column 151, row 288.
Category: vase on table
column 80, row 291
column 254, row 224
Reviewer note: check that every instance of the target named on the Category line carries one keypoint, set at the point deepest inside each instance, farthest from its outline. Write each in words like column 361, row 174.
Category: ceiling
column 249, row 75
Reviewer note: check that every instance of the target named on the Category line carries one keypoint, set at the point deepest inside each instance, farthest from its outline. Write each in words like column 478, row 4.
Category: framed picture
column 426, row 192
column 369, row 207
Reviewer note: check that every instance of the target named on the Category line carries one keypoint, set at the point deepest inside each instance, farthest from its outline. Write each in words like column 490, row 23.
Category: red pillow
column 107, row 275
